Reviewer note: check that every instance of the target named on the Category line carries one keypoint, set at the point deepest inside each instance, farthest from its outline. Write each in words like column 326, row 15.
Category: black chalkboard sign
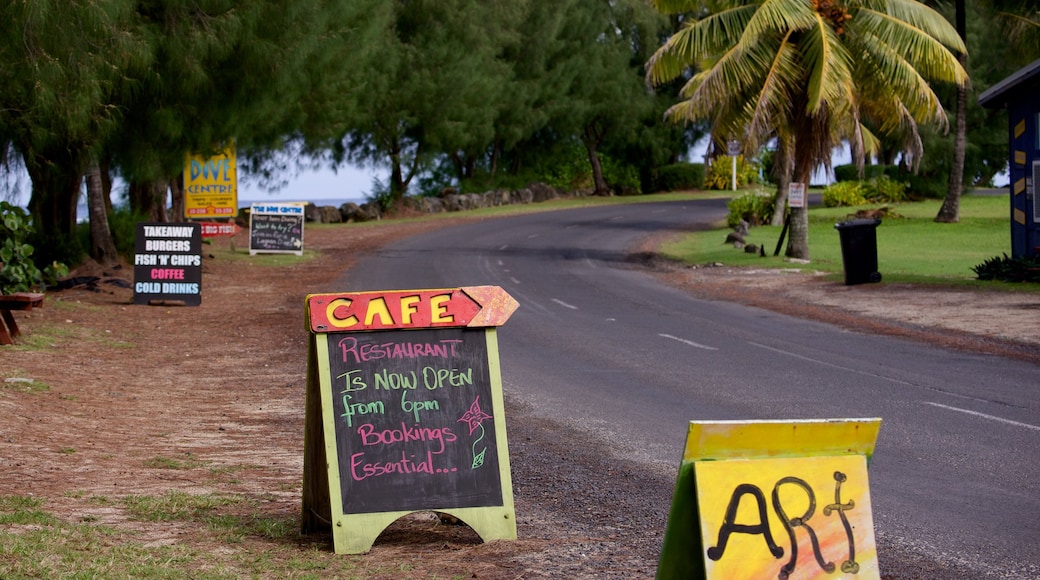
column 405, row 412
column 168, row 263
column 413, row 420
column 276, row 229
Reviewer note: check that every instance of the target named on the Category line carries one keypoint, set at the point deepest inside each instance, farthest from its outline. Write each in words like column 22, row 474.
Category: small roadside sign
column 796, row 195
column 218, row 229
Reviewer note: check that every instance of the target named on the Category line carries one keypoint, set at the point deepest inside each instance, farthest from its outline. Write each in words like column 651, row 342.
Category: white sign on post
column 796, row 195
column 734, row 150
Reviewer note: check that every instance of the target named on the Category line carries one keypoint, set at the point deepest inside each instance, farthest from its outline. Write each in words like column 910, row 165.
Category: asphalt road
column 601, row 346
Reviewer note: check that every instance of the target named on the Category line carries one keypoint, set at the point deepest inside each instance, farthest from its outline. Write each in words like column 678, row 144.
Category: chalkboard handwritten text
column 372, row 436
column 360, row 470
column 364, row 352
column 410, row 428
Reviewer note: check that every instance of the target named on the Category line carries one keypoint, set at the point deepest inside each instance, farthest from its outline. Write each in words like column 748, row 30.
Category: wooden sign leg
column 317, row 508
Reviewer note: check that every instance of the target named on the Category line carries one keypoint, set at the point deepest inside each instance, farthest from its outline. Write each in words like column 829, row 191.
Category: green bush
column 679, row 177
column 570, row 171
column 885, row 190
column 926, row 186
column 844, row 194
column 20, row 273
column 720, row 173
column 754, row 207
column 851, row 173
column 1007, row 269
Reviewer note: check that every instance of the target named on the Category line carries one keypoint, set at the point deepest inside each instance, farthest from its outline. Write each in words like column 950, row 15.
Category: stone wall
column 448, row 201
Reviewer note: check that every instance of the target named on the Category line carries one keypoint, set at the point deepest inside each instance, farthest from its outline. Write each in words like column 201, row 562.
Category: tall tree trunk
column 148, row 198
column 494, row 158
column 56, row 180
column 137, row 196
column 177, row 199
column 592, row 139
column 158, row 190
column 783, row 166
column 950, row 212
column 104, row 167
column 102, row 247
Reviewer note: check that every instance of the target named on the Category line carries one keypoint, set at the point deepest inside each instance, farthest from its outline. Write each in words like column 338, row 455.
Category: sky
column 347, row 183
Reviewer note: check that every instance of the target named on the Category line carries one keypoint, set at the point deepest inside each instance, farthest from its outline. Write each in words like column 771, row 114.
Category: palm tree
column 812, row 74
column 950, row 211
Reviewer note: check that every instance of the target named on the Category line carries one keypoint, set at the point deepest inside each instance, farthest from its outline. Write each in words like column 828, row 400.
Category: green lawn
column 911, row 247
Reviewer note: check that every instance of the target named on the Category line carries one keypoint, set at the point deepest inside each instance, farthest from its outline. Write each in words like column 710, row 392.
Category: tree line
column 450, row 91
column 472, row 94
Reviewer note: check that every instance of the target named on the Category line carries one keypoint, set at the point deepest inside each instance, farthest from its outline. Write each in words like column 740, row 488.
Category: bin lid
column 858, row 223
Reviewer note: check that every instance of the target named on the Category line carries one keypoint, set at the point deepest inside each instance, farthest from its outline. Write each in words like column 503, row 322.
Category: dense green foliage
column 844, row 194
column 455, row 93
column 1005, row 269
column 849, row 172
column 678, row 177
column 720, row 173
column 18, row 272
column 754, row 207
column 875, row 190
column 471, row 95
column 809, row 75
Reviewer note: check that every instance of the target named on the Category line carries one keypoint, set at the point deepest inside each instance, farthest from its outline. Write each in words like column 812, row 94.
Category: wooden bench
column 16, row 301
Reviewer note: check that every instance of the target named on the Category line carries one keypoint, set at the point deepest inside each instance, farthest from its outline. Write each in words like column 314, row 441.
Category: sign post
column 765, row 499
column 405, row 412
column 734, row 151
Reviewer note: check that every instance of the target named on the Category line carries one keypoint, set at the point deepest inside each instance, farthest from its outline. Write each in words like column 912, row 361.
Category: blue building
column 1020, row 95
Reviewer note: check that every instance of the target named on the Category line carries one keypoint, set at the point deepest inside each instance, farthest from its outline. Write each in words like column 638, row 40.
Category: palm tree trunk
column 782, row 169
column 798, row 242
column 950, row 212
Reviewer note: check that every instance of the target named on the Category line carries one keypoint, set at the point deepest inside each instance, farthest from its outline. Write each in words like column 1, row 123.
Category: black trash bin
column 859, row 250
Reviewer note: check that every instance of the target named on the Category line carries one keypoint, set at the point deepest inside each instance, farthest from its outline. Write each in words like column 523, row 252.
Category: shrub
column 851, row 173
column 754, row 207
column 678, row 177
column 1007, row 269
column 20, row 273
column 885, row 190
column 927, row 186
column 621, row 177
column 843, row 194
column 720, row 173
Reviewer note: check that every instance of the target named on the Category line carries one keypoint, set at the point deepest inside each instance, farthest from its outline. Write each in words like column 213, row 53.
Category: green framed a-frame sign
column 405, row 412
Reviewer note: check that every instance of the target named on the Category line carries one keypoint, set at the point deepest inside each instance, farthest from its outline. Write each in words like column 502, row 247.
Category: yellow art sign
column 211, row 185
column 787, row 518
column 786, row 500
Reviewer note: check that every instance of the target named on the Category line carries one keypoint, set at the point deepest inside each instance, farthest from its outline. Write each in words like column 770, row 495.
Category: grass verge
column 911, row 246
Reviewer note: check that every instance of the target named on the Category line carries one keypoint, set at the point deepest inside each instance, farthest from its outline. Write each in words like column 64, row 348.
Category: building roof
column 999, row 94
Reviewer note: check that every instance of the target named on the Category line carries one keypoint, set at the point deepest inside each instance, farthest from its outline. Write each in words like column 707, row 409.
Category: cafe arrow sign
column 469, row 306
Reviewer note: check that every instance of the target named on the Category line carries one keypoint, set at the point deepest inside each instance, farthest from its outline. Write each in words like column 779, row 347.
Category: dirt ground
column 218, row 391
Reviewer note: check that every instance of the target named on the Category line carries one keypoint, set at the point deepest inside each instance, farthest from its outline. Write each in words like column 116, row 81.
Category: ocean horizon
column 82, row 212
